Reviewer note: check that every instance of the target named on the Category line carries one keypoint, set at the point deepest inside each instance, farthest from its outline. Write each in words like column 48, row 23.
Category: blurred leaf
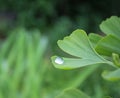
column 116, row 59
column 111, row 75
column 22, row 65
column 111, row 26
column 6, row 46
column 79, row 79
column 77, row 44
column 108, row 45
column 72, row 93
column 108, row 97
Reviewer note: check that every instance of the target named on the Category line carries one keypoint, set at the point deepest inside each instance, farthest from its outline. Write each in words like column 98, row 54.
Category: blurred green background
column 29, row 30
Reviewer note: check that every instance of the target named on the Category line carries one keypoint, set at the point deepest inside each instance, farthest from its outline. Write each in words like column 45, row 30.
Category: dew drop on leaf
column 59, row 60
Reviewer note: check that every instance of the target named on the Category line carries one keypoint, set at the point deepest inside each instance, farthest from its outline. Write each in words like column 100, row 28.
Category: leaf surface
column 111, row 26
column 108, row 45
column 94, row 38
column 77, row 44
column 71, row 63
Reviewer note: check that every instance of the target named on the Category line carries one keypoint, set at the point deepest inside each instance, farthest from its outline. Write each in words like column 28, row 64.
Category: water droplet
column 59, row 60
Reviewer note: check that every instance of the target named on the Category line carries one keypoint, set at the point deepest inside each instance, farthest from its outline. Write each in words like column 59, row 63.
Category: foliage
column 92, row 49
column 72, row 93
column 20, row 62
column 25, row 70
column 43, row 14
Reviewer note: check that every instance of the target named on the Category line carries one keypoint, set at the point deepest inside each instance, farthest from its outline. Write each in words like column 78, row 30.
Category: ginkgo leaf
column 108, row 45
column 111, row 75
column 72, row 93
column 77, row 44
column 111, row 26
column 94, row 38
column 71, row 63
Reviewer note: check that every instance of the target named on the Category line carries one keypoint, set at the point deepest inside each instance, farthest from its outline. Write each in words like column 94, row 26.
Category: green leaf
column 72, row 93
column 111, row 75
column 71, row 63
column 108, row 97
column 111, row 26
column 116, row 59
column 94, row 38
column 108, row 45
column 77, row 44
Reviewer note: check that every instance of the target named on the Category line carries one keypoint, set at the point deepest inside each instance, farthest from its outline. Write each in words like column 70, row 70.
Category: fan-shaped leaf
column 77, row 44
column 111, row 26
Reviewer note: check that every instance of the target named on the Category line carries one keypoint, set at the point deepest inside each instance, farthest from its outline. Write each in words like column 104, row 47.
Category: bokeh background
column 29, row 30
